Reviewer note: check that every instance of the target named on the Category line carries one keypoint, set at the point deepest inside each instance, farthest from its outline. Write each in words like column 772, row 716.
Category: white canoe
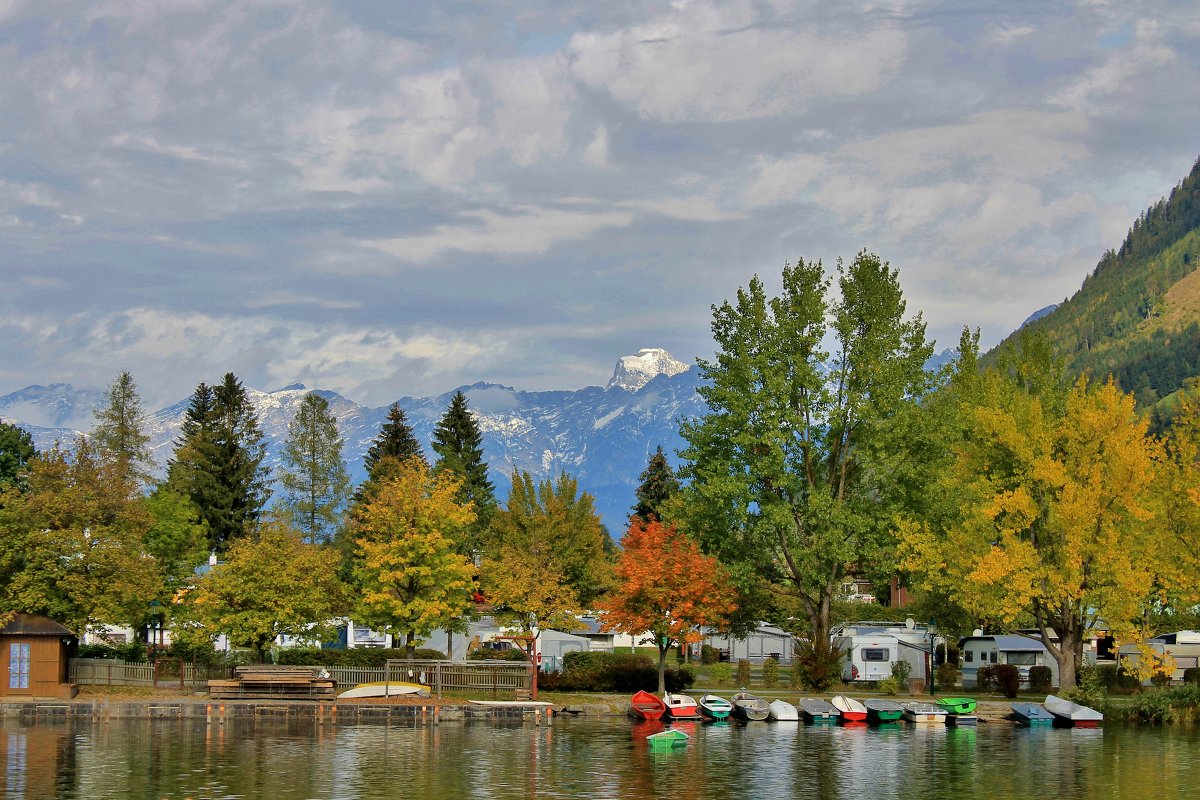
column 385, row 689
column 783, row 711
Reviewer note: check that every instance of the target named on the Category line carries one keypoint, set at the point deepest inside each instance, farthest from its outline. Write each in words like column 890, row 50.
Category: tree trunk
column 1070, row 653
column 450, row 645
column 410, row 647
column 663, row 646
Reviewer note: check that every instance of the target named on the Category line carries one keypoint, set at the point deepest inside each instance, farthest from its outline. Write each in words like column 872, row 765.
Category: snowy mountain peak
column 634, row 372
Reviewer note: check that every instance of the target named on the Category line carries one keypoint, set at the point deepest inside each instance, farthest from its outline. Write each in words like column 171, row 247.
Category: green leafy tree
column 658, row 485
column 314, row 476
column 557, row 524
column 272, row 584
column 177, row 539
column 218, row 461
column 785, row 473
column 120, row 429
column 459, row 446
column 16, row 450
column 72, row 545
column 411, row 577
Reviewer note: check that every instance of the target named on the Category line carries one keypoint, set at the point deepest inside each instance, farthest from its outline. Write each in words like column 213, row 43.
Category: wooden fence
column 161, row 674
column 489, row 676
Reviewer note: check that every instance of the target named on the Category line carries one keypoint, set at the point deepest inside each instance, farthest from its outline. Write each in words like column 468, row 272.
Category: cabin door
column 18, row 668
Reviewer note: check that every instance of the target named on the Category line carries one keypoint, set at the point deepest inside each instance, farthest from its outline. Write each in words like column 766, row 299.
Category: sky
column 389, row 199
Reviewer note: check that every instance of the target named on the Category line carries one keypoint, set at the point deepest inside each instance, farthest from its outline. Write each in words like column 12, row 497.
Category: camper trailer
column 870, row 649
column 1183, row 646
column 1022, row 652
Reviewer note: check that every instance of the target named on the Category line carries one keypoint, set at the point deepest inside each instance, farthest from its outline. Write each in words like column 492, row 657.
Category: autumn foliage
column 666, row 586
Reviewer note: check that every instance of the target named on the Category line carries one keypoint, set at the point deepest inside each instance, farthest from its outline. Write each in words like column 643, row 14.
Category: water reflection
column 273, row 758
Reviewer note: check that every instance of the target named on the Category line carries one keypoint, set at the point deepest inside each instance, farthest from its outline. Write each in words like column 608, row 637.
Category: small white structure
column 1183, row 646
column 765, row 641
column 871, row 648
column 1020, row 651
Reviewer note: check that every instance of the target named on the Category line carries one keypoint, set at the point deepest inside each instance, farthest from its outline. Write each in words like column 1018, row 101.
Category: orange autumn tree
column 666, row 586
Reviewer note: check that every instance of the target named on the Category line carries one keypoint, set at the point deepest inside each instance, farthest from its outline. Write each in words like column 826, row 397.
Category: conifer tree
column 219, row 458
column 314, row 474
column 120, row 429
column 16, row 451
column 658, row 485
column 459, row 446
column 395, row 440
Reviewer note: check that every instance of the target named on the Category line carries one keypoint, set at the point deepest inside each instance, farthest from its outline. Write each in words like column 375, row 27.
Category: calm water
column 588, row 759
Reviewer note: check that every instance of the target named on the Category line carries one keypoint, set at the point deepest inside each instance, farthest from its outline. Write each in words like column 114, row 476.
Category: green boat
column 882, row 711
column 665, row 740
column 957, row 705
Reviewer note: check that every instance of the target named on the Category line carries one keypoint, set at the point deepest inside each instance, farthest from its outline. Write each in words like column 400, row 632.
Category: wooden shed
column 34, row 653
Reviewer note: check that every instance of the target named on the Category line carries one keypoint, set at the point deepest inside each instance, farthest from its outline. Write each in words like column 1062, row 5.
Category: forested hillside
column 1137, row 316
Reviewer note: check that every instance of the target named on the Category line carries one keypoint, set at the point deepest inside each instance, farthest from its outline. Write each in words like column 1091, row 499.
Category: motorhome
column 869, row 649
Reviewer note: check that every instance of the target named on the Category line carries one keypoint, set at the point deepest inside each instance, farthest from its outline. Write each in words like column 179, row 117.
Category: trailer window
column 875, row 654
column 969, row 656
column 1022, row 659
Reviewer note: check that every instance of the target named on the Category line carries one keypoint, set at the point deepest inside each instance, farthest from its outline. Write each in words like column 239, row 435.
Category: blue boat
column 1033, row 715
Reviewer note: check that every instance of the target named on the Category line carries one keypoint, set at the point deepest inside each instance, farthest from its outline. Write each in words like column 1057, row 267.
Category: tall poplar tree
column 120, row 429
column 218, row 461
column 786, row 478
column 313, row 474
column 459, row 446
column 658, row 485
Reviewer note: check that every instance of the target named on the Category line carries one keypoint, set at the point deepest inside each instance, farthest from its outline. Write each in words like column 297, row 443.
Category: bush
column 362, row 657
column 770, row 671
column 1040, row 679
column 1179, row 704
column 1191, row 675
column 819, row 667
column 743, row 672
column 900, row 671
column 618, row 672
column 1160, row 679
column 1110, row 677
column 889, row 686
column 133, row 652
column 721, row 674
column 709, row 654
column 1008, row 679
column 505, row 654
column 947, row 675
column 678, row 679
column 1089, row 687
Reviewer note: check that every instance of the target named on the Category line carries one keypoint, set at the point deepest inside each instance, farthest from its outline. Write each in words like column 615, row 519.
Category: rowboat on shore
column 681, row 706
column 385, row 689
column 644, row 705
column 750, row 707
column 1072, row 715
column 1033, row 715
column 880, row 710
column 957, row 705
column 924, row 713
column 850, row 709
column 817, row 711
column 782, row 711
column 714, row 708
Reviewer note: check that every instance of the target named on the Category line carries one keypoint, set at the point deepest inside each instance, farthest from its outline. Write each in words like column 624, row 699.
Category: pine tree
column 120, row 429
column 459, row 446
column 658, row 485
column 314, row 474
column 219, row 458
column 395, row 440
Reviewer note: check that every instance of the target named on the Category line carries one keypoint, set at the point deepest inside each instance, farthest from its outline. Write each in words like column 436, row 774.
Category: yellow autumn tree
column 1179, row 495
column 1053, row 516
column 412, row 578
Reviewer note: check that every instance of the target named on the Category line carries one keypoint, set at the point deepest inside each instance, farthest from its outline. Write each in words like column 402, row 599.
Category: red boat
column 646, row 706
column 680, row 706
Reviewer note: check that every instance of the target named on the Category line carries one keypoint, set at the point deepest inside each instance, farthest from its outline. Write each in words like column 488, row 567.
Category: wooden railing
column 111, row 672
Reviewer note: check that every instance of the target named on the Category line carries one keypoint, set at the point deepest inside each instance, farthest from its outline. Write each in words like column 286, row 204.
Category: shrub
column 1007, row 678
column 743, row 672
column 1110, row 677
column 1040, row 679
column 889, row 686
column 721, row 674
column 1191, row 675
column 819, row 666
column 770, row 671
column 133, row 652
column 947, row 675
column 709, row 654
column 1089, row 687
column 986, row 679
column 900, row 671
column 362, row 657
column 1160, row 679
column 618, row 672
column 678, row 679
column 1178, row 704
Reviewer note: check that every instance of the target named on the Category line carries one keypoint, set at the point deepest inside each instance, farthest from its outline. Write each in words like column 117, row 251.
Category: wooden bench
column 274, row 683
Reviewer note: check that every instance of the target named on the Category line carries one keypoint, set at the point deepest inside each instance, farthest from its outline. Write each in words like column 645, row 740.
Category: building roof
column 34, row 625
column 1007, row 642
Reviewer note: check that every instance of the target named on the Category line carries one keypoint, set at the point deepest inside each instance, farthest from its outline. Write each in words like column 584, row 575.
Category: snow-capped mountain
column 604, row 437
column 634, row 372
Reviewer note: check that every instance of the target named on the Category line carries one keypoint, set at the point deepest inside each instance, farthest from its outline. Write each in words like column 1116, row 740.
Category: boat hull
column 715, row 708
column 644, row 705
column 750, row 708
column 957, row 705
column 667, row 740
column 385, row 689
column 783, row 711
column 925, row 714
column 818, row 712
column 1032, row 715
column 1072, row 715
column 681, row 707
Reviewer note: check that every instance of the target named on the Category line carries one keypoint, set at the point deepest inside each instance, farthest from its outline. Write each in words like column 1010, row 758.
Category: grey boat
column 749, row 707
column 816, row 710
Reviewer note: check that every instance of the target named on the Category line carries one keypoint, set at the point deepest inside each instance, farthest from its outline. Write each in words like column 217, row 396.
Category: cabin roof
column 1007, row 642
column 34, row 625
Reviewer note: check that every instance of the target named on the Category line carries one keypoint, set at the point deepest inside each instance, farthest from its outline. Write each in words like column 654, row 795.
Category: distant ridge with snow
column 634, row 372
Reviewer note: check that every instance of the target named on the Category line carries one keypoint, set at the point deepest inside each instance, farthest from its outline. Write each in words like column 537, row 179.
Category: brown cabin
column 34, row 654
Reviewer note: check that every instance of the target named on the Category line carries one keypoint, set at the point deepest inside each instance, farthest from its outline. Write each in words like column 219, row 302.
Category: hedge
column 364, row 657
column 616, row 672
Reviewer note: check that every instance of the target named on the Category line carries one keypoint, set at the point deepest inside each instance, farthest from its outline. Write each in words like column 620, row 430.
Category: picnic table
column 275, row 683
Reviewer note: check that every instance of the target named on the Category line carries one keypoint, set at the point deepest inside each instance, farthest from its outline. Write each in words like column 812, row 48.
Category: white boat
column 385, row 689
column 850, row 709
column 681, row 706
column 924, row 713
column 1067, row 713
column 783, row 711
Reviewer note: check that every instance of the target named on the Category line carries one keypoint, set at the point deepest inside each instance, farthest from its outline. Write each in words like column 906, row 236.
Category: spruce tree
column 658, row 485
column 314, row 475
column 459, row 446
column 219, row 458
column 395, row 440
column 120, row 430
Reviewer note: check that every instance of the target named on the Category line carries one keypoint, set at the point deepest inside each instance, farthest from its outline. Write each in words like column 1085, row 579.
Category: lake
column 587, row 758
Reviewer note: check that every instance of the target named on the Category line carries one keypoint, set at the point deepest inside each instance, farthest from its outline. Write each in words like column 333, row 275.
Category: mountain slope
column 1137, row 316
